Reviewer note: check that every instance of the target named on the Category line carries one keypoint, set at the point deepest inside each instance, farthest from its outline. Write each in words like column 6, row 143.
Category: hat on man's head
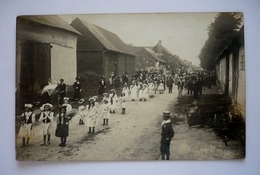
column 167, row 114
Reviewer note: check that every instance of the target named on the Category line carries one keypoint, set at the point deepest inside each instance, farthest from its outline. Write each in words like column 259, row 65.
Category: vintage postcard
column 117, row 87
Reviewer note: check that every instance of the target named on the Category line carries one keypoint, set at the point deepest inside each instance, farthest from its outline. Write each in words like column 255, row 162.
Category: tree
column 220, row 32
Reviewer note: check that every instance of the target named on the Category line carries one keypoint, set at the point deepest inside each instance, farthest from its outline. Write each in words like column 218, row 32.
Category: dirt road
column 133, row 136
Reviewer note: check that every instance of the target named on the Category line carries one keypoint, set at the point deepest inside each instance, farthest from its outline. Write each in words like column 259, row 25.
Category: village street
column 134, row 136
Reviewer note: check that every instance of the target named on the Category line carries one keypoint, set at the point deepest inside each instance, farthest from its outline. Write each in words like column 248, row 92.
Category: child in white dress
column 27, row 120
column 46, row 119
column 105, row 112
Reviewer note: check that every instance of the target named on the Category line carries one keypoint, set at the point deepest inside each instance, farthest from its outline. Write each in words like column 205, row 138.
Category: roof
column 52, row 21
column 163, row 48
column 153, row 54
column 136, row 49
column 239, row 38
column 108, row 39
column 176, row 59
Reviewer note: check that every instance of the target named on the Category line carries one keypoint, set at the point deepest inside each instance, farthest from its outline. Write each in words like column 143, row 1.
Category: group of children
column 46, row 119
column 88, row 113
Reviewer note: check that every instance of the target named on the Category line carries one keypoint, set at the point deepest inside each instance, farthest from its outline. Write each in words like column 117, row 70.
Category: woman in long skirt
column 62, row 129
column 46, row 119
column 91, row 113
column 27, row 119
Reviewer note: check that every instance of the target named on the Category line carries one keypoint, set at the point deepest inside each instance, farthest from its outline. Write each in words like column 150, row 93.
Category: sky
column 183, row 34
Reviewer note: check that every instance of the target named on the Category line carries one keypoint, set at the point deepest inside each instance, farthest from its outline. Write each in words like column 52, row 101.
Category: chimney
column 159, row 48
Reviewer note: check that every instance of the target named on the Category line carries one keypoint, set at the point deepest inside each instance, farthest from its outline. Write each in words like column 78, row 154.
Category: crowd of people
column 144, row 85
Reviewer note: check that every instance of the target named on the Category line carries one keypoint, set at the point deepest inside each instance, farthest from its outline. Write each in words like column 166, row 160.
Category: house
column 147, row 59
column 45, row 50
column 174, row 61
column 230, row 70
column 101, row 51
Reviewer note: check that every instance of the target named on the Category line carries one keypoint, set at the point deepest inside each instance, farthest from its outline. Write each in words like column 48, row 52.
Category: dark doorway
column 35, row 67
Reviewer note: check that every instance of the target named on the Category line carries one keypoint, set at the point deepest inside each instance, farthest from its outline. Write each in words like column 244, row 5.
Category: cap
column 166, row 114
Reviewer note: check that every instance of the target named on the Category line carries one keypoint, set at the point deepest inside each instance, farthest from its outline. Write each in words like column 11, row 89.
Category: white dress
column 26, row 129
column 46, row 119
column 151, row 89
column 113, row 101
column 126, row 91
column 144, row 93
column 161, row 87
column 122, row 102
column 91, row 113
column 82, row 112
column 105, row 111
column 133, row 90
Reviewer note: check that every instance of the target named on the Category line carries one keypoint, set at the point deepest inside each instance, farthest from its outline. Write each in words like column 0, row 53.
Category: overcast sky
column 184, row 34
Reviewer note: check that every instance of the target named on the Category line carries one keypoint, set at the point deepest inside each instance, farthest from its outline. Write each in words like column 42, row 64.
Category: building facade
column 147, row 59
column 45, row 50
column 230, row 71
column 101, row 51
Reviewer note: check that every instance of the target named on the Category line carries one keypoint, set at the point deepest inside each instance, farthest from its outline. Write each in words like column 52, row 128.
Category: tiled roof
column 108, row 39
column 153, row 54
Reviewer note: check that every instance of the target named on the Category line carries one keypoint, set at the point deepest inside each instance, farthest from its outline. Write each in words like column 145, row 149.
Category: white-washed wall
column 63, row 64
column 241, row 95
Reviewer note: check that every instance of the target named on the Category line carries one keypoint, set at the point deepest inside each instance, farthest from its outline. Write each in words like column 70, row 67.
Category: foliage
column 221, row 32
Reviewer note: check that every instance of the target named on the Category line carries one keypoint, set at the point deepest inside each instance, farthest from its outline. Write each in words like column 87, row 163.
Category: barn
column 101, row 51
column 45, row 51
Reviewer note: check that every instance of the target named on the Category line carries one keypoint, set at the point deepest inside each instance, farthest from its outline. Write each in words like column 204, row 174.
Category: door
column 35, row 67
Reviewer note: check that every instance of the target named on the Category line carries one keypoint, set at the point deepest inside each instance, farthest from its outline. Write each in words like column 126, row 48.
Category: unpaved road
column 134, row 136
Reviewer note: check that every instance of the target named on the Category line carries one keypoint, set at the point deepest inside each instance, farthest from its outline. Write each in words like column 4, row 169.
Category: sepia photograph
column 130, row 87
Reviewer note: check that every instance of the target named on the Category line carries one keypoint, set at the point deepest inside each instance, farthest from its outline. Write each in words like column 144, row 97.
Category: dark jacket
column 169, row 82
column 180, row 85
column 62, row 89
column 167, row 133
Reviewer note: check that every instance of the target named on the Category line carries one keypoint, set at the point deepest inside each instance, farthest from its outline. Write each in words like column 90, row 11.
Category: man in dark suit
column 167, row 135
column 77, row 90
column 170, row 84
column 101, row 86
column 62, row 91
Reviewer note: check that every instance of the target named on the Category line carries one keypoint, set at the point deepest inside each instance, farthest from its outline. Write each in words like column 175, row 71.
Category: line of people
column 87, row 112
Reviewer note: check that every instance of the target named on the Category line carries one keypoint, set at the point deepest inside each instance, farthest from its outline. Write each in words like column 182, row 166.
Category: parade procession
column 82, row 93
